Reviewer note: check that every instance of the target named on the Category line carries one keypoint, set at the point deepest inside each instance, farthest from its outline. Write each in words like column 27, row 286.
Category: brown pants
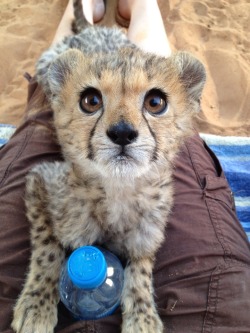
column 202, row 272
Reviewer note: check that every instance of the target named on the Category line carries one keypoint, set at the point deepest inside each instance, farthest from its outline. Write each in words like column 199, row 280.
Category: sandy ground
column 216, row 31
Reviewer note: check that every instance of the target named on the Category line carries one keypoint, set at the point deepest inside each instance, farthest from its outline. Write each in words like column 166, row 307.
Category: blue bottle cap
column 87, row 267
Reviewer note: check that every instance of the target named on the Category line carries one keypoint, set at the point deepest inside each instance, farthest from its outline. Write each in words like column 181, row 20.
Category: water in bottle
column 91, row 283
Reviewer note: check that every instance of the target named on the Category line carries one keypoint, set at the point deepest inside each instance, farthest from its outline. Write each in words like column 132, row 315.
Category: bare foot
column 146, row 28
column 124, row 8
column 93, row 10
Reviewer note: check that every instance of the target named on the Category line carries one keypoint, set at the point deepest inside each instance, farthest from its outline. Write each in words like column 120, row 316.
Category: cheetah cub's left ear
column 62, row 68
column 192, row 74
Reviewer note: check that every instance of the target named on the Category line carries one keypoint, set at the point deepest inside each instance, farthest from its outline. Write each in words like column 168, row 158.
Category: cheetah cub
column 120, row 116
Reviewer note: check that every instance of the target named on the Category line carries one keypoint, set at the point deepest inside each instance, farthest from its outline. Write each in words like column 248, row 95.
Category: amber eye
column 91, row 100
column 155, row 102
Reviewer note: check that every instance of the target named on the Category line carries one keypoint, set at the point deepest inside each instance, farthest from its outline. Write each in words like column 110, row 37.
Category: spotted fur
column 106, row 193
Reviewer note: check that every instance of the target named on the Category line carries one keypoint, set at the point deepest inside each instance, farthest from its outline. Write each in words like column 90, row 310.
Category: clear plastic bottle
column 91, row 283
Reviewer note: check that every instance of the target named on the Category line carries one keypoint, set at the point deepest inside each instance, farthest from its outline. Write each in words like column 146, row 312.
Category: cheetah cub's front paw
column 142, row 323
column 31, row 316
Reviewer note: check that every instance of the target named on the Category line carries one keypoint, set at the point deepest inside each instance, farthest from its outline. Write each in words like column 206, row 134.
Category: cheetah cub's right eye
column 90, row 101
column 155, row 102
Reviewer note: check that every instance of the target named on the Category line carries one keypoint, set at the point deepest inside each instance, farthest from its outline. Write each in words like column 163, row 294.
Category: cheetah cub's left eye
column 91, row 100
column 155, row 102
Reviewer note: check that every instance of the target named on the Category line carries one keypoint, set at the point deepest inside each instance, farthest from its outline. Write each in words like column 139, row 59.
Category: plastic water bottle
column 91, row 283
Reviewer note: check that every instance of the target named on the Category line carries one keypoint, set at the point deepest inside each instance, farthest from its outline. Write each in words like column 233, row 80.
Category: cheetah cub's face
column 126, row 113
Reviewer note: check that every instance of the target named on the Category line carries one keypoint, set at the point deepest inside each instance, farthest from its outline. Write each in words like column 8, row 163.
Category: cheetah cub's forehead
column 124, row 113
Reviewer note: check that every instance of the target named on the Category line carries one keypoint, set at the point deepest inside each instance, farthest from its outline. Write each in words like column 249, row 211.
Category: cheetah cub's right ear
column 62, row 68
column 191, row 73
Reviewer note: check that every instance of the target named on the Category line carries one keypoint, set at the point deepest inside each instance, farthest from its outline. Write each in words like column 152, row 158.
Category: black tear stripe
column 90, row 155
column 155, row 152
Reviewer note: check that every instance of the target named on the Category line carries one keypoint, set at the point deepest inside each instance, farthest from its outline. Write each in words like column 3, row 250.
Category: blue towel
column 234, row 156
column 5, row 133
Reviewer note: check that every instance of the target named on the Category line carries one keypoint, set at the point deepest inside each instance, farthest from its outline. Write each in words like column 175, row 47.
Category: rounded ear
column 61, row 68
column 192, row 74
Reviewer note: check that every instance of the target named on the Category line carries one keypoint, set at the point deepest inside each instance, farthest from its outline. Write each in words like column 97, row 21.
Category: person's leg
column 202, row 271
column 33, row 142
column 146, row 27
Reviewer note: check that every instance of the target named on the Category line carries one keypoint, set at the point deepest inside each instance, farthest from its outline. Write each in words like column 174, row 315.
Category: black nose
column 122, row 133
